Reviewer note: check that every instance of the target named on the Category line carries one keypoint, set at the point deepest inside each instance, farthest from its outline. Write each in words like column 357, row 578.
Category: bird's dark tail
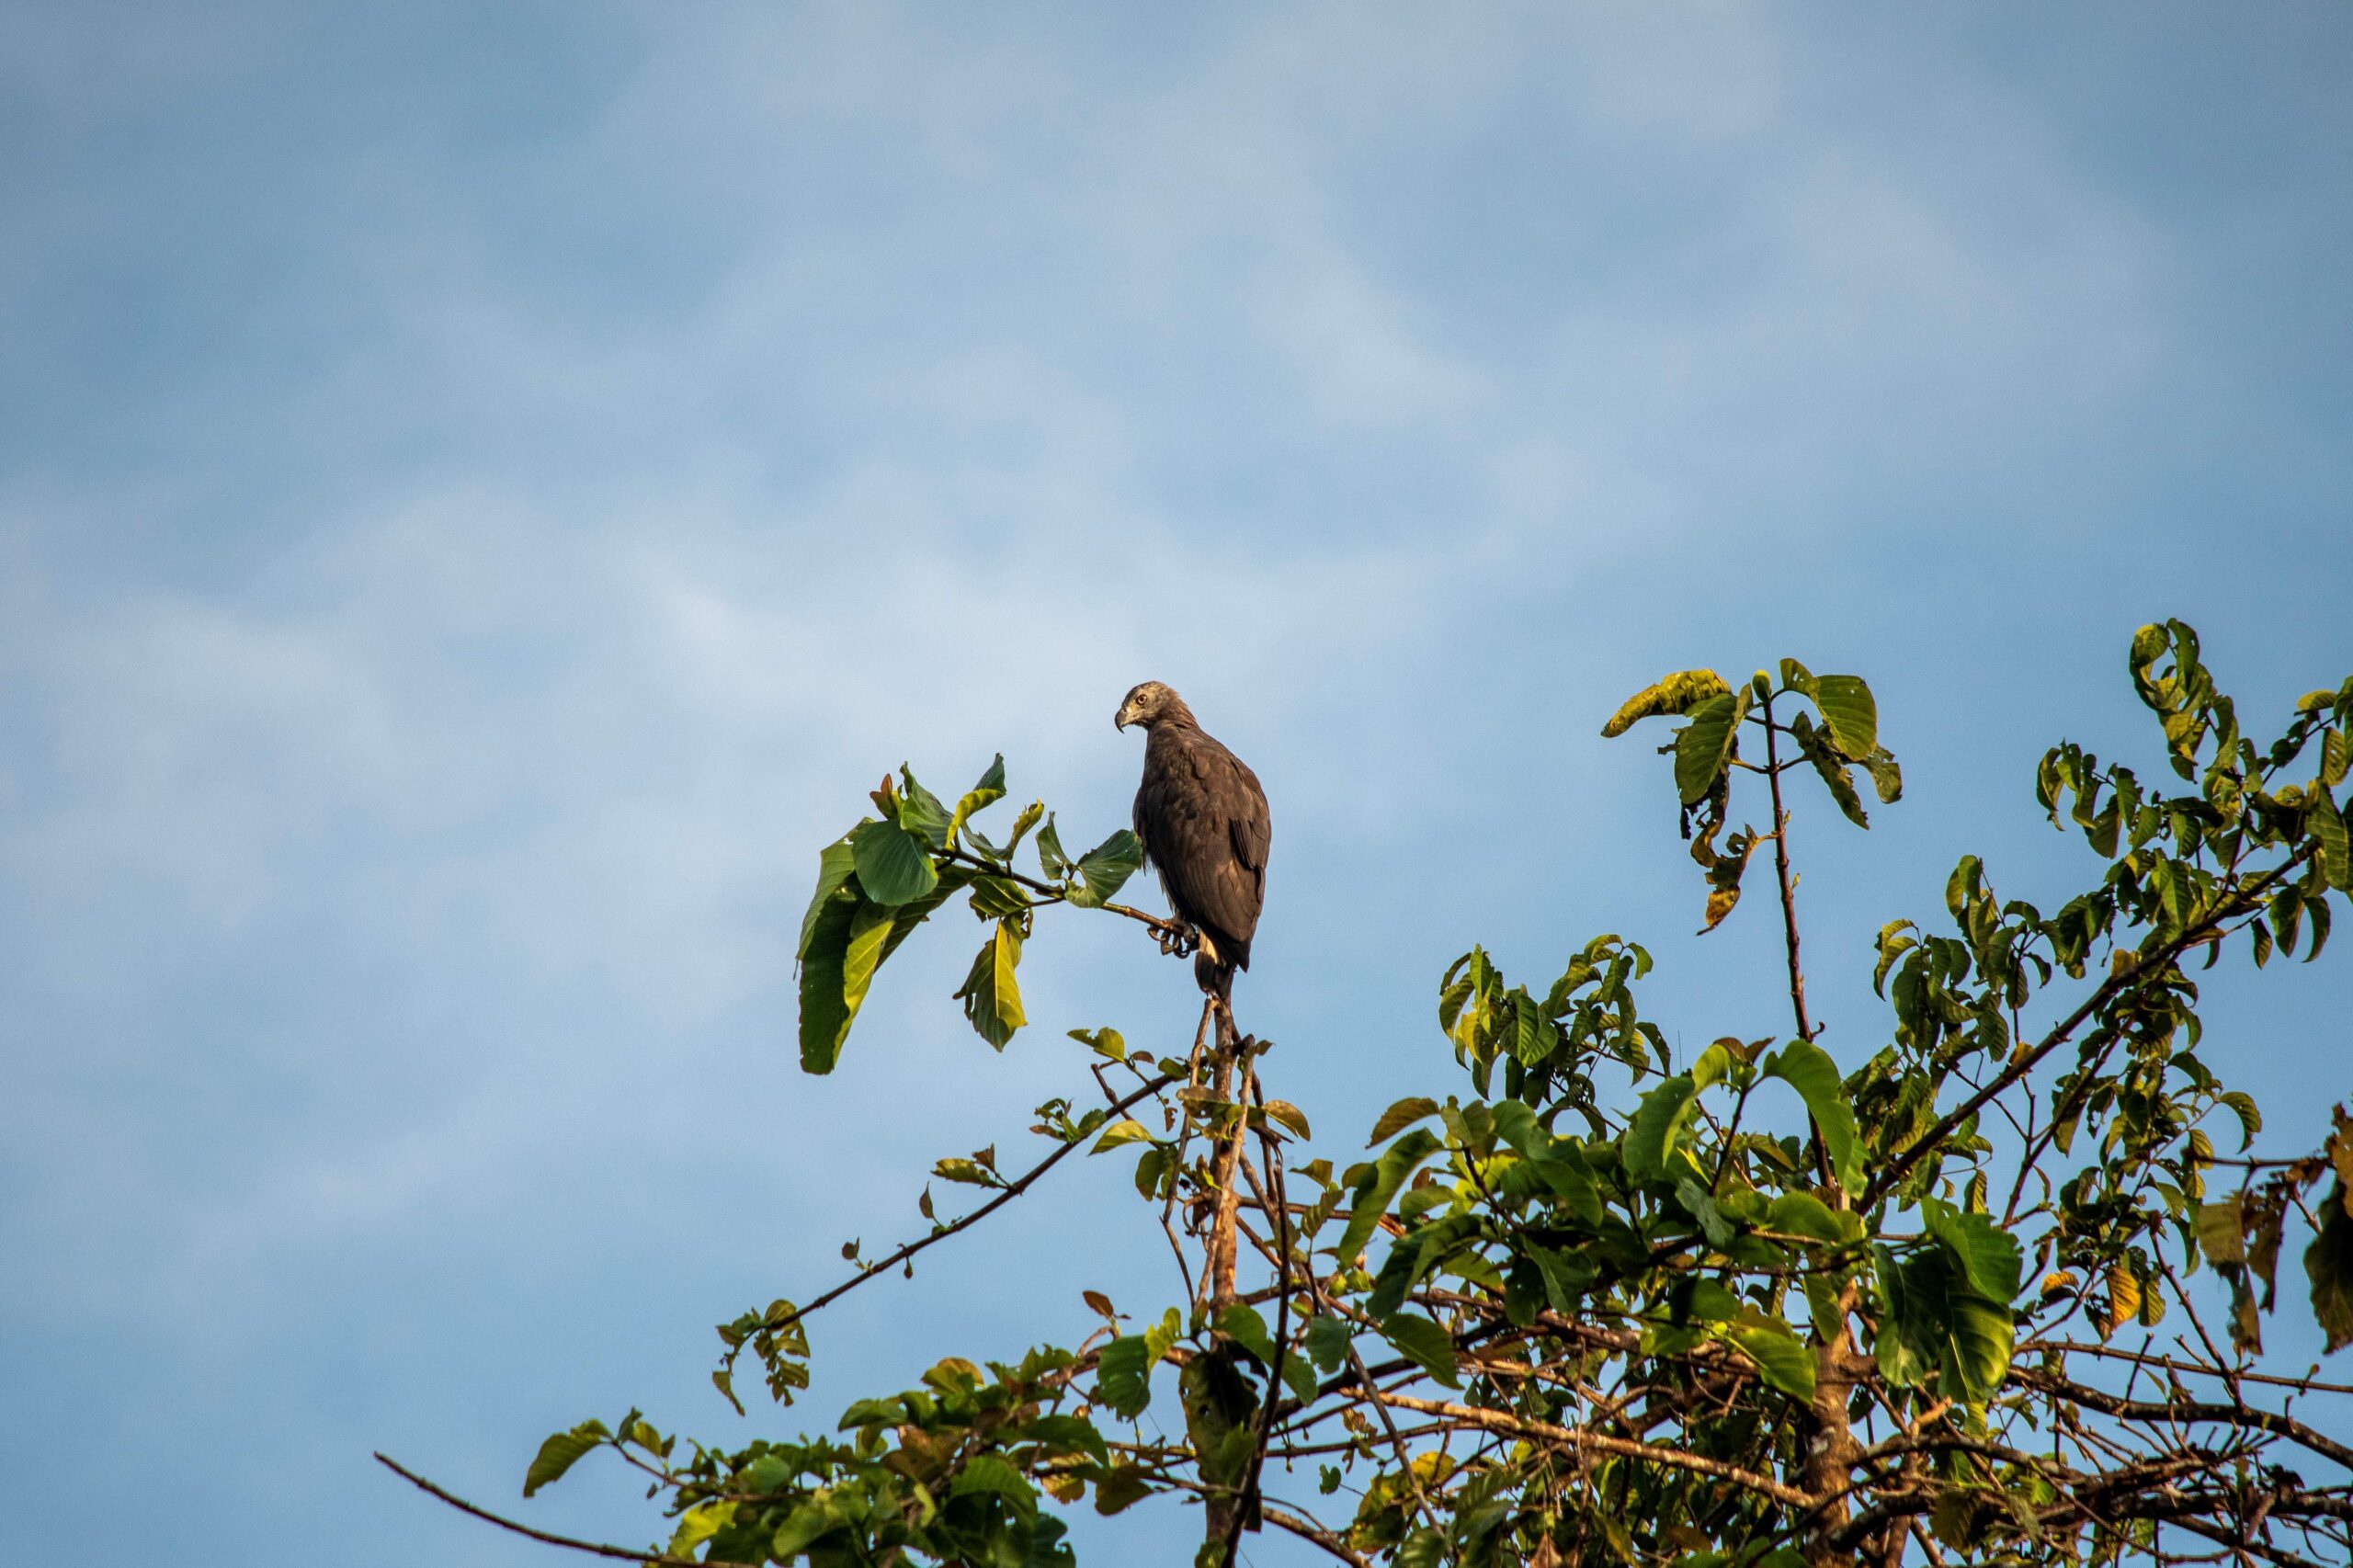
column 1214, row 961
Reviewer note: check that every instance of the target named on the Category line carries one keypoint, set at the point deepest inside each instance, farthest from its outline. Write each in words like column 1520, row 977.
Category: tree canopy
column 1600, row 1305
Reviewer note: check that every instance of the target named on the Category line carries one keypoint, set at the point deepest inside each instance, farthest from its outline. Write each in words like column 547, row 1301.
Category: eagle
column 1202, row 820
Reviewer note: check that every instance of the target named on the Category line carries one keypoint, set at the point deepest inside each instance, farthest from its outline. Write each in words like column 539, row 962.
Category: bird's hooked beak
column 1127, row 715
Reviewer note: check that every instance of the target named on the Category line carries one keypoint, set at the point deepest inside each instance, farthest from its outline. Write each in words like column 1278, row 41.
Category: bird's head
column 1150, row 704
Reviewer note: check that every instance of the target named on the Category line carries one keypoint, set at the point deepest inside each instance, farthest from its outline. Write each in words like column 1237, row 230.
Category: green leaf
column 834, row 868
column 1128, row 1129
column 1816, row 746
column 1104, row 869
column 994, row 1475
column 1425, row 1343
column 1853, row 716
column 1987, row 1256
column 1051, row 860
column 892, row 866
column 1557, row 1161
column 1780, row 1360
column 1887, row 778
column 1396, row 1165
column 2243, row 1105
column 1400, row 1115
column 1327, row 1341
column 994, row 898
column 980, row 797
column 1123, row 1375
column 1289, row 1117
column 1677, row 693
column 1240, row 1322
column 1658, row 1123
column 921, row 813
column 1703, row 746
column 1808, row 1069
column 991, row 995
column 561, row 1452
column 1803, row 1214
column 2327, row 828
column 1939, row 1320
column 826, row 1012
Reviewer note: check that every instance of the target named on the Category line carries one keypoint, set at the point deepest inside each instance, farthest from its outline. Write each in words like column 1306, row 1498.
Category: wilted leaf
column 991, row 995
column 2328, row 1263
column 1674, row 694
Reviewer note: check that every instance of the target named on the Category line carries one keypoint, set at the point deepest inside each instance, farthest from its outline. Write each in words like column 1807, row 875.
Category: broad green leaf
column 1853, row 717
column 1125, row 1130
column 1240, row 1322
column 1658, row 1124
column 1425, row 1343
column 825, row 1013
column 1284, row 1114
column 1897, row 1349
column 891, row 865
column 1704, row 744
column 1808, row 1069
column 1103, row 869
column 2328, row 829
column 803, row 1526
column 561, row 1452
column 1780, row 1360
column 1986, row 1254
column 1123, row 1375
column 834, row 868
column 1327, row 1341
column 993, row 1473
column 1395, row 1167
column 991, row 995
column 1943, row 1324
column 1803, row 1214
column 1677, row 693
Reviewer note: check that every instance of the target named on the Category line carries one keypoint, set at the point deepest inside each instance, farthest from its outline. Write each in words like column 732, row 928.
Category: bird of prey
column 1202, row 820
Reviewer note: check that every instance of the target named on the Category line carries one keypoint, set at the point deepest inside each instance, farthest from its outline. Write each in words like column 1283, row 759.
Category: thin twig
column 1015, row 1189
column 569, row 1543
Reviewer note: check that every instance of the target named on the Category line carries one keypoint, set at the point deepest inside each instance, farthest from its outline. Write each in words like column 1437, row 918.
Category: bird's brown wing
column 1203, row 822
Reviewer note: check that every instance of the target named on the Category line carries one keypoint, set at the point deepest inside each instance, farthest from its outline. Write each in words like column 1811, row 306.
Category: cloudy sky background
column 484, row 490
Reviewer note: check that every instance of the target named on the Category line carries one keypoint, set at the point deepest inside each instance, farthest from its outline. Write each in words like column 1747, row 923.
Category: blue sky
column 484, row 490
